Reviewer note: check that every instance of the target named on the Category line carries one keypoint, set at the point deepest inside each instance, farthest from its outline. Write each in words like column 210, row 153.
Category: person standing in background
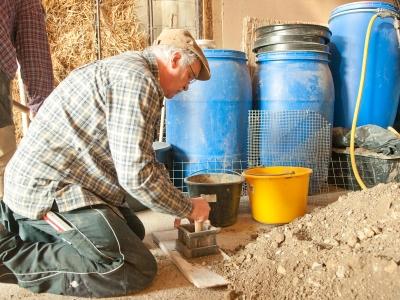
column 65, row 225
column 23, row 38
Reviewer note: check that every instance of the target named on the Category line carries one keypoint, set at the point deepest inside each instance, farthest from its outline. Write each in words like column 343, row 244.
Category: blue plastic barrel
column 294, row 80
column 348, row 24
column 209, row 121
column 295, row 88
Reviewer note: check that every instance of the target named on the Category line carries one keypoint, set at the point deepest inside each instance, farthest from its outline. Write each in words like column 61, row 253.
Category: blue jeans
column 102, row 256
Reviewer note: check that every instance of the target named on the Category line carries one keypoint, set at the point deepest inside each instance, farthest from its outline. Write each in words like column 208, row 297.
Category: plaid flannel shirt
column 91, row 140
column 23, row 36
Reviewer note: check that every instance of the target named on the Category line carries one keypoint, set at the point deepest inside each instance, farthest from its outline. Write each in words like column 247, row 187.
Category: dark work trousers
column 7, row 131
column 6, row 115
column 102, row 255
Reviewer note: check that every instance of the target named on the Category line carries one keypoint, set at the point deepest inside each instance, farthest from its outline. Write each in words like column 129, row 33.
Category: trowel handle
column 198, row 226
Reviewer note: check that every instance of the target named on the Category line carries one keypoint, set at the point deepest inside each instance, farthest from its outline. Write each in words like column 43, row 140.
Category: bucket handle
column 279, row 174
column 234, row 172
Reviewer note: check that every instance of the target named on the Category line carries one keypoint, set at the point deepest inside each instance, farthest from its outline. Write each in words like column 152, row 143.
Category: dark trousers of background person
column 102, row 256
column 7, row 130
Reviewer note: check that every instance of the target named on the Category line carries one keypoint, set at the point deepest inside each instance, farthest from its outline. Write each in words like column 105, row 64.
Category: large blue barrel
column 294, row 90
column 209, row 121
column 348, row 24
column 294, row 80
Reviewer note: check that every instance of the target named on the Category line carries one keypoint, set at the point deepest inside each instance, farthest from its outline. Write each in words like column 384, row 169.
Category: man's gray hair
column 165, row 51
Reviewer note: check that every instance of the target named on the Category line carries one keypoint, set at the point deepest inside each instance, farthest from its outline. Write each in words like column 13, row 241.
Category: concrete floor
column 230, row 239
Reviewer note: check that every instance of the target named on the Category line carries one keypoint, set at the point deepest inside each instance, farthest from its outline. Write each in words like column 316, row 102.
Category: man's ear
column 175, row 58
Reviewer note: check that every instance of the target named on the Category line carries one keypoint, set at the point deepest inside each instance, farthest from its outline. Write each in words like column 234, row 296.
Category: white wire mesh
column 291, row 138
column 340, row 175
column 296, row 138
column 373, row 170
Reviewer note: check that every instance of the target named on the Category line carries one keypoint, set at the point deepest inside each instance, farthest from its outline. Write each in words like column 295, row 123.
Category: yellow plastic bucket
column 277, row 194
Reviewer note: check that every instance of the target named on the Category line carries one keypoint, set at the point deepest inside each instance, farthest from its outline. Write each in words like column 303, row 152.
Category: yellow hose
column 358, row 103
column 360, row 92
column 394, row 131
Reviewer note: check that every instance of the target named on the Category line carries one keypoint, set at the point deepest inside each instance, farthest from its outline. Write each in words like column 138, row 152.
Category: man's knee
column 134, row 223
column 151, row 268
column 141, row 275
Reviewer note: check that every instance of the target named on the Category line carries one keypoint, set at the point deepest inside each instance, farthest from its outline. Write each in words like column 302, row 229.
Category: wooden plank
column 207, row 21
column 164, row 236
column 200, row 277
column 21, row 107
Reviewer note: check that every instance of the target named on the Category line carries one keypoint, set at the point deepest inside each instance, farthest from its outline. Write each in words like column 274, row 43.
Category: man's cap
column 181, row 38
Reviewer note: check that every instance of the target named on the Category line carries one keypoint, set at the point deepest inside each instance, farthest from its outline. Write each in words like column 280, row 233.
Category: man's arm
column 133, row 105
column 33, row 52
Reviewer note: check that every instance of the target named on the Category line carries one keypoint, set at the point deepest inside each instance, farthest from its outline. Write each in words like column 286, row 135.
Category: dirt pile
column 347, row 250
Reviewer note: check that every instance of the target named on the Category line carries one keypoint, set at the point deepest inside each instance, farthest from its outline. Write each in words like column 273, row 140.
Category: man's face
column 176, row 77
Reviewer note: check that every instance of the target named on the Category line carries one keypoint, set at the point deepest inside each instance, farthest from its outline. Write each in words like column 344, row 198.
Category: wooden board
column 200, row 277
column 207, row 20
column 165, row 236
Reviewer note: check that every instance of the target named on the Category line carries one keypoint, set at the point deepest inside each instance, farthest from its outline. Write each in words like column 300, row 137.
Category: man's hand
column 200, row 210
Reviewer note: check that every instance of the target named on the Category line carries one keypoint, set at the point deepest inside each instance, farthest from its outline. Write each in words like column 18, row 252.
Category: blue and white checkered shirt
column 91, row 140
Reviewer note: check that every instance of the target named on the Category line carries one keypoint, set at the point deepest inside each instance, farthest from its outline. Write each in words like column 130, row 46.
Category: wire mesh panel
column 373, row 169
column 291, row 138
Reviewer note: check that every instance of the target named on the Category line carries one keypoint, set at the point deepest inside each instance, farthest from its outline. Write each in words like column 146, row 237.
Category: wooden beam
column 207, row 20
column 22, row 108
column 25, row 121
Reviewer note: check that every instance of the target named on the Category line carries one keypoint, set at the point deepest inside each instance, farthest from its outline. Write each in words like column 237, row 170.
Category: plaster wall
column 228, row 15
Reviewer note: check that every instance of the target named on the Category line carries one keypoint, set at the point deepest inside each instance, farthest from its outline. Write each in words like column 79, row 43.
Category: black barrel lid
column 293, row 47
column 282, row 39
column 293, row 29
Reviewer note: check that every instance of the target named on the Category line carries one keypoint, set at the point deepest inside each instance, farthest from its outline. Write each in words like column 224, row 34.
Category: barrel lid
column 224, row 53
column 292, row 55
column 293, row 29
column 296, row 41
column 314, row 47
column 278, row 39
column 363, row 5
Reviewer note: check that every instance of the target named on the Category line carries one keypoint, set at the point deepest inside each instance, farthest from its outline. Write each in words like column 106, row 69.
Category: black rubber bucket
column 163, row 153
column 222, row 191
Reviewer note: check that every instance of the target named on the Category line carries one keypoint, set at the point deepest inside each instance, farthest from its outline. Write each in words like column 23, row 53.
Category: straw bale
column 17, row 115
column 71, row 34
column 120, row 28
column 71, row 29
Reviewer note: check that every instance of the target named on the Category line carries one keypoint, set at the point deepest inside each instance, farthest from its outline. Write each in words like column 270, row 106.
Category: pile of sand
column 347, row 250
